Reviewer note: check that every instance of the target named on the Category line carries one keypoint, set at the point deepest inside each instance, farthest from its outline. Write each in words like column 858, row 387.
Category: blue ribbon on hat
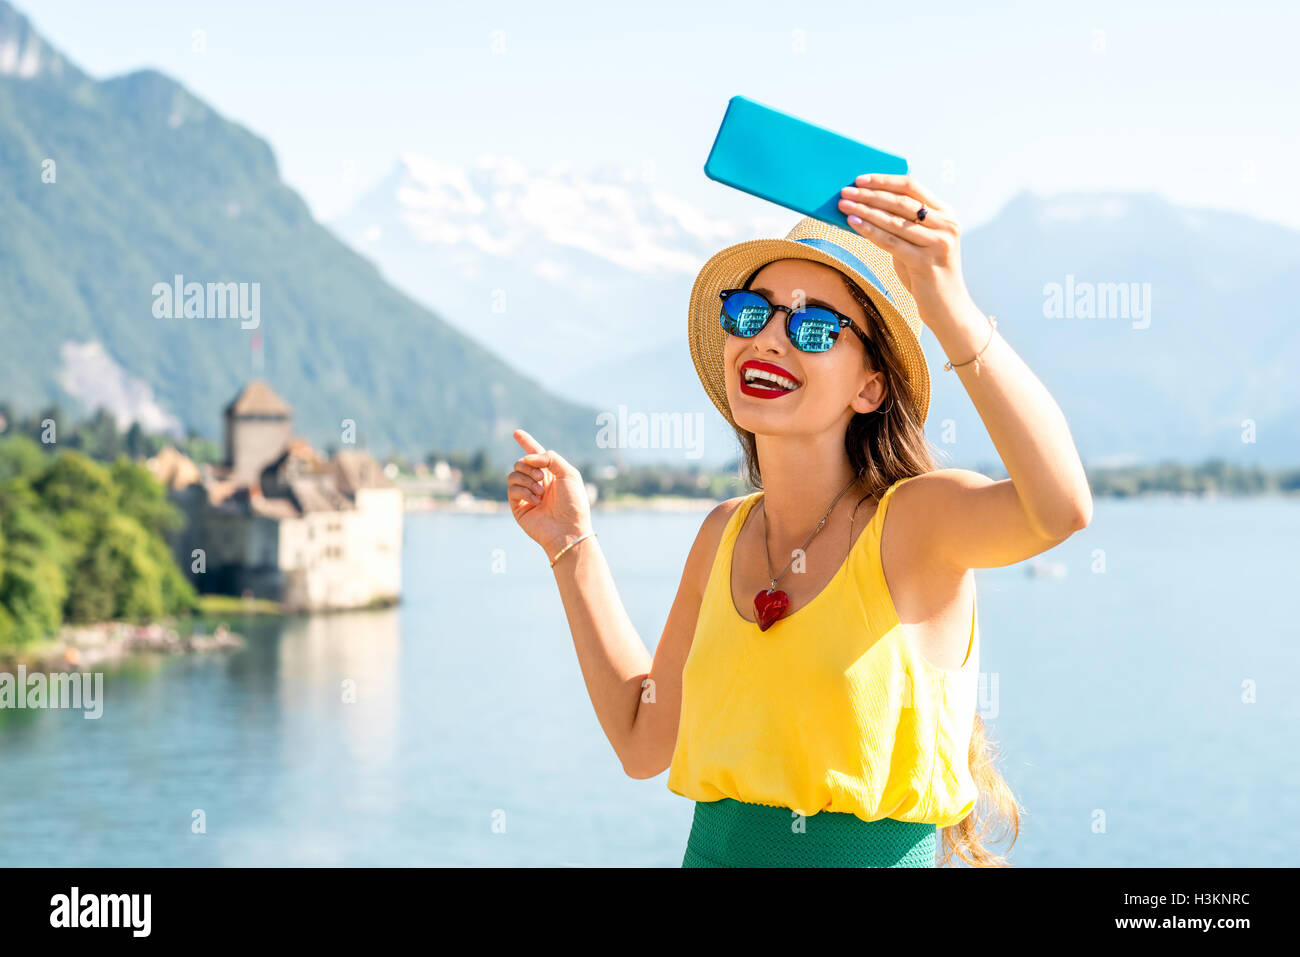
column 846, row 257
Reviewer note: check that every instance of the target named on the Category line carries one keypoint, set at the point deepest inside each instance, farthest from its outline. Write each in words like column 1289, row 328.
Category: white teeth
column 752, row 375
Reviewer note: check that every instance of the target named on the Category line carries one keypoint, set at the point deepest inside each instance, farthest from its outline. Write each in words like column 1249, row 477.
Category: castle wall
column 242, row 553
column 347, row 559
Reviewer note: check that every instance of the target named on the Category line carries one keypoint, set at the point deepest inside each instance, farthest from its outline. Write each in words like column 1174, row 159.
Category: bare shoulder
column 720, row 514
column 920, row 508
column 927, row 501
column 707, row 539
column 715, row 523
column 942, row 484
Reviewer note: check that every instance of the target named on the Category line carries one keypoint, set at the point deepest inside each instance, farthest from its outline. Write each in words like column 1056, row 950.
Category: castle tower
column 259, row 425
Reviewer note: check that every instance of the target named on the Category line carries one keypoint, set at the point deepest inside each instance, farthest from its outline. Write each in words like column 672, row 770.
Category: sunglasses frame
column 773, row 308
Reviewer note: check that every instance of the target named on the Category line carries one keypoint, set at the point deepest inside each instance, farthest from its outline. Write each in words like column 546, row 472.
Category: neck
column 801, row 476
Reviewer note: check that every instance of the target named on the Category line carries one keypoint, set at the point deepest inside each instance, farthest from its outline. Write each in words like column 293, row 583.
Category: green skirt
column 730, row 833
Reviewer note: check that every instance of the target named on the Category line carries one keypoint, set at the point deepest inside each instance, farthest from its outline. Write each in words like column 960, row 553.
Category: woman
column 829, row 719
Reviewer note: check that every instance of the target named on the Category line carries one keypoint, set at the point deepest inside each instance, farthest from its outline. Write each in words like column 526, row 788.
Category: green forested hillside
column 110, row 187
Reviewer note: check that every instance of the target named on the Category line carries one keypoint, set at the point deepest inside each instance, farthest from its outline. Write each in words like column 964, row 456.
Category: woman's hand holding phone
column 926, row 251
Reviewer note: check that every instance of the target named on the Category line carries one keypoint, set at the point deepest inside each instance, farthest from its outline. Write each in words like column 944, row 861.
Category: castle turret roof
column 258, row 398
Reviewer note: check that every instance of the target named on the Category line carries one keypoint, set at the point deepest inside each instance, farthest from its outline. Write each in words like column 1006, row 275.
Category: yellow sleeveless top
column 830, row 709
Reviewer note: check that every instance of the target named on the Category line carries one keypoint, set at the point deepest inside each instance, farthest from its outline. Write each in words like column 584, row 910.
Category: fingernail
column 855, row 221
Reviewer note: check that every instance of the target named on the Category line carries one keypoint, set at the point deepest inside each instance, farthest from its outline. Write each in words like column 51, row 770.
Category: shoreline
column 670, row 503
column 487, row 506
column 78, row 647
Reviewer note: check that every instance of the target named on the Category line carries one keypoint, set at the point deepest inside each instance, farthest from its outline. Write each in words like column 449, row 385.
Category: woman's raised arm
column 963, row 517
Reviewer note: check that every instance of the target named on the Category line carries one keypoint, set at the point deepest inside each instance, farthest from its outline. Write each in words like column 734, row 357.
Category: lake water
column 1124, row 713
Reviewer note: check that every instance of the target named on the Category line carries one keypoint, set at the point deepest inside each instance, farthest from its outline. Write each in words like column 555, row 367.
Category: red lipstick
column 766, row 380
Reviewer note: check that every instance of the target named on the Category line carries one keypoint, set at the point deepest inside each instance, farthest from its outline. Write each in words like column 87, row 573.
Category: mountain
column 1219, row 348
column 114, row 188
column 559, row 270
column 577, row 277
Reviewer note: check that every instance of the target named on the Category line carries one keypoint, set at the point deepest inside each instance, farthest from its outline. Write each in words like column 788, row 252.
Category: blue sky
column 1196, row 101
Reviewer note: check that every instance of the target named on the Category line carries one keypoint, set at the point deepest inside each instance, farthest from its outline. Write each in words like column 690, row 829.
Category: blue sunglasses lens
column 813, row 330
column 745, row 314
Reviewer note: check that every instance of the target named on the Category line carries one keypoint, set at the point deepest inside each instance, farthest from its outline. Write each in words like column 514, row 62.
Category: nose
column 772, row 337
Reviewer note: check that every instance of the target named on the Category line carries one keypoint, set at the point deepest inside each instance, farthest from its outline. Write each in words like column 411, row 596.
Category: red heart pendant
column 770, row 606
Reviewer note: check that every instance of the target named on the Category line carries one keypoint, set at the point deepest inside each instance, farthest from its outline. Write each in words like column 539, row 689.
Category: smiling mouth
column 765, row 383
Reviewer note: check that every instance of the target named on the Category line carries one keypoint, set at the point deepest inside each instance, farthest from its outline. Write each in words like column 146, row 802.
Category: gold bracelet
column 568, row 546
column 949, row 366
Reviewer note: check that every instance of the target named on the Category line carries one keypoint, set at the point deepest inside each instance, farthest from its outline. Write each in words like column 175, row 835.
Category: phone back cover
column 789, row 161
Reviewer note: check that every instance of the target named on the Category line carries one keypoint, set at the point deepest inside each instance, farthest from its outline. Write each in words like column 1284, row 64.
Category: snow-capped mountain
column 556, row 270
column 565, row 274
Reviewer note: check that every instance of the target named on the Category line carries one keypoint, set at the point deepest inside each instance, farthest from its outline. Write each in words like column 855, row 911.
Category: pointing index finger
column 529, row 443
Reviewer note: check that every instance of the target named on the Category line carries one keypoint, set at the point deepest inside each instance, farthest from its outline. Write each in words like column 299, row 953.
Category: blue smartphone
column 789, row 161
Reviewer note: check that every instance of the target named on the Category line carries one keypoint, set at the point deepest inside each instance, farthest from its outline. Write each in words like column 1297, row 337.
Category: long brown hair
column 884, row 446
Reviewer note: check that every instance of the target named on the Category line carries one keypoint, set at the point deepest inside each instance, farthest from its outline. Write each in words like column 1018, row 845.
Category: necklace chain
column 820, row 525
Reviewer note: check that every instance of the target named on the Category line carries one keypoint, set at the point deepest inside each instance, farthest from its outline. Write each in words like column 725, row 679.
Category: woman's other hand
column 548, row 496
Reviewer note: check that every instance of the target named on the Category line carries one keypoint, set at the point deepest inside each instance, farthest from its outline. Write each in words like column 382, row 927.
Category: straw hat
column 852, row 254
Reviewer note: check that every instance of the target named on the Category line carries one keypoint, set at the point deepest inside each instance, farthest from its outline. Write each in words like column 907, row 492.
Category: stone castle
column 277, row 520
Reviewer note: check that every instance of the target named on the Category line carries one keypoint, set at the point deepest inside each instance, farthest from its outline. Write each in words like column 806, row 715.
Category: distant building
column 280, row 521
column 426, row 484
column 174, row 469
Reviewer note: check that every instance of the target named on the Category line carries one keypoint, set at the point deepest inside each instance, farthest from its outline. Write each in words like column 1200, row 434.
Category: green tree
column 143, row 498
column 99, row 438
column 138, row 445
column 78, row 494
column 119, row 576
column 82, row 542
column 19, row 455
column 32, row 585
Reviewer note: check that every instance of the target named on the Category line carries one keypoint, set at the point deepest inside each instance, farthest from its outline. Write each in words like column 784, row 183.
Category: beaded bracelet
column 568, row 546
column 949, row 366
